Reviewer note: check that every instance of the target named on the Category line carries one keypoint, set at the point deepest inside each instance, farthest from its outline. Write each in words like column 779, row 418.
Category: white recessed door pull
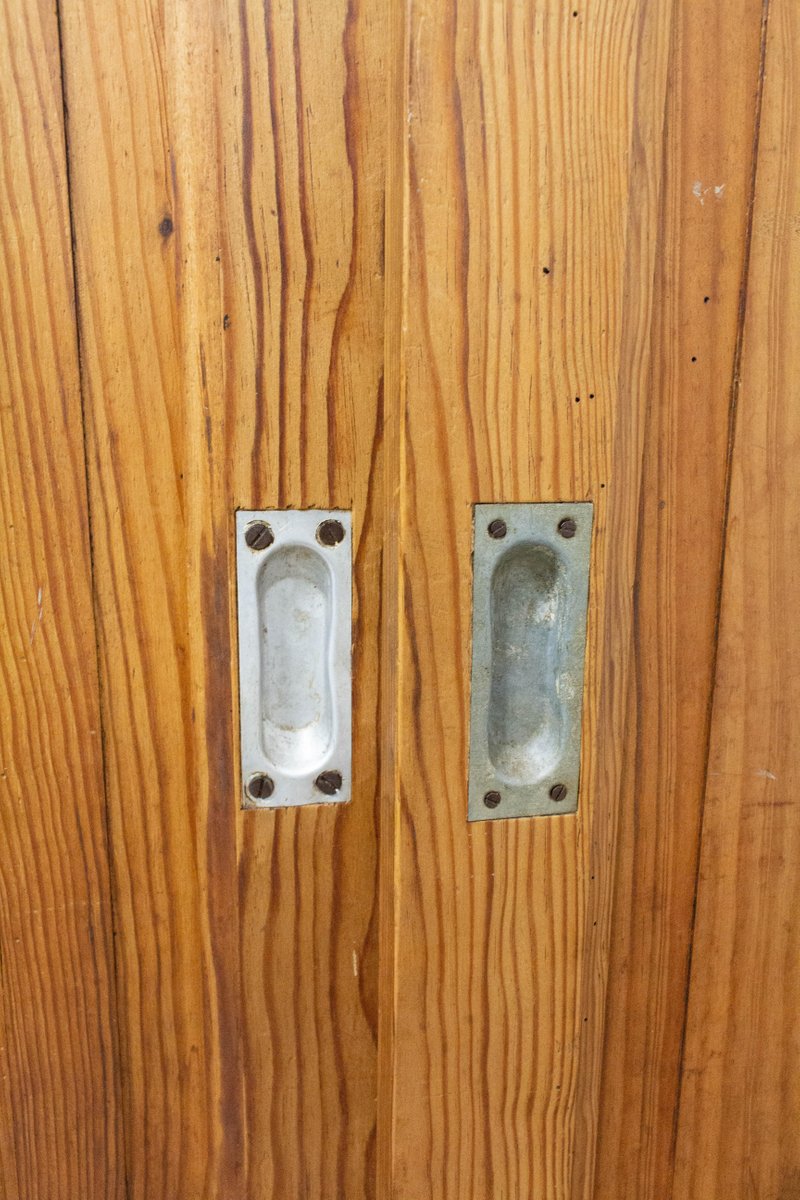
column 294, row 616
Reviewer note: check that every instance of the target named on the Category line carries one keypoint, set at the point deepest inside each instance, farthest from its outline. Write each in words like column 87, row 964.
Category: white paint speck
column 355, row 965
column 765, row 774
column 716, row 190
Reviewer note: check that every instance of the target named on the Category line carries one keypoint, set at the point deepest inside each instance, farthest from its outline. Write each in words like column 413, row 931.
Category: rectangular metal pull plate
column 294, row 572
column 529, row 603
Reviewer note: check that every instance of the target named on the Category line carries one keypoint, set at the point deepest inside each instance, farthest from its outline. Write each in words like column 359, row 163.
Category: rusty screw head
column 260, row 787
column 558, row 792
column 258, row 535
column 330, row 533
column 497, row 528
column 329, row 782
column 492, row 799
column 567, row 527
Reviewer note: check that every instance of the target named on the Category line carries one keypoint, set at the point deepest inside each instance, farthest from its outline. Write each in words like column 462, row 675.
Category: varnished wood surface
column 534, row 180
column 313, row 206
column 557, row 343
column 60, row 1121
column 228, row 178
column 739, row 1119
column 567, row 196
column 710, row 121
column 395, row 241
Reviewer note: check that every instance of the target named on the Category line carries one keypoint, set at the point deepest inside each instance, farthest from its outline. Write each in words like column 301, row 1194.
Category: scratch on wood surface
column 38, row 618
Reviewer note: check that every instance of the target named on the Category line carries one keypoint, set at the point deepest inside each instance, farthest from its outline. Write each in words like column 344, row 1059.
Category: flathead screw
column 330, row 533
column 497, row 528
column 258, row 535
column 558, row 792
column 329, row 782
column 492, row 799
column 567, row 527
column 260, row 787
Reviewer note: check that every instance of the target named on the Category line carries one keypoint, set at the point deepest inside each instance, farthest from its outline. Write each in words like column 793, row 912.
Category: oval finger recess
column 294, row 608
column 530, row 585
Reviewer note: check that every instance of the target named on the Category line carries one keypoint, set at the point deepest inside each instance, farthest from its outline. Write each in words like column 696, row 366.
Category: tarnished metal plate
column 530, row 593
column 294, row 573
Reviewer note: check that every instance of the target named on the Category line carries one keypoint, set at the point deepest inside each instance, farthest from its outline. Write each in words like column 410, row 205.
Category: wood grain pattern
column 60, row 1129
column 314, row 212
column 228, row 179
column 395, row 294
column 708, row 143
column 556, row 344
column 534, row 180
column 567, row 193
column 739, row 1119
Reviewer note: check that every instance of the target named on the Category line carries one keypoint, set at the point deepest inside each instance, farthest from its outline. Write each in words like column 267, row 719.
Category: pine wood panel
column 228, row 177
column 739, row 1119
column 554, row 267
column 311, row 229
column 534, row 176
column 708, row 157
column 60, row 1131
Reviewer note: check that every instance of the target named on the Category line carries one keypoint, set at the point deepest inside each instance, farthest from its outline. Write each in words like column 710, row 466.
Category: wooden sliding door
column 228, row 167
column 576, row 184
